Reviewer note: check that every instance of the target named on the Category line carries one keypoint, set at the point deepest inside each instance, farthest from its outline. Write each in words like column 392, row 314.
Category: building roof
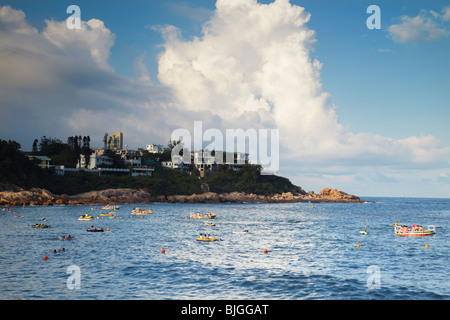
column 42, row 158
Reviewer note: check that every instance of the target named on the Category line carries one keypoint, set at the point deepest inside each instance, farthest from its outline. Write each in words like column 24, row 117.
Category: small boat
column 404, row 231
column 110, row 207
column 95, row 230
column 211, row 224
column 107, row 214
column 85, row 218
column 364, row 232
column 41, row 226
column 140, row 212
column 202, row 216
column 206, row 239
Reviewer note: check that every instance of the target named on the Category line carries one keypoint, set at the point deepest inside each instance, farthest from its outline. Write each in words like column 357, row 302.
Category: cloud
column 14, row 21
column 254, row 61
column 93, row 38
column 446, row 14
column 58, row 82
column 426, row 26
column 140, row 68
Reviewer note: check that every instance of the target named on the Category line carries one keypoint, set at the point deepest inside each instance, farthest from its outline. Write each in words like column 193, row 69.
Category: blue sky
column 379, row 84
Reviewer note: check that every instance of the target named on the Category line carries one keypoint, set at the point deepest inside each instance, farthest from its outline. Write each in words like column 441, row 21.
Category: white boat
column 110, row 207
column 138, row 211
column 404, row 231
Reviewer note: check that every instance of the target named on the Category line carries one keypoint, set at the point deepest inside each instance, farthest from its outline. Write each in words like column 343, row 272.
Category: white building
column 175, row 163
column 156, row 148
column 95, row 161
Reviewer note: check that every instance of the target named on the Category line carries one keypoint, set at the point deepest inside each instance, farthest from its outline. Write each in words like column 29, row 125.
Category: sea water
column 312, row 252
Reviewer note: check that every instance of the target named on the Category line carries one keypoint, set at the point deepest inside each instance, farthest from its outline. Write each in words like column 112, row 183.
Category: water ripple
column 312, row 253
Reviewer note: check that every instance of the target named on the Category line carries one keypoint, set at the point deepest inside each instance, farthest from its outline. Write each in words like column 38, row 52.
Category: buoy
column 357, row 245
column 45, row 257
column 260, row 220
column 312, row 207
column 265, row 250
column 107, row 229
column 163, row 250
column 365, row 227
column 426, row 246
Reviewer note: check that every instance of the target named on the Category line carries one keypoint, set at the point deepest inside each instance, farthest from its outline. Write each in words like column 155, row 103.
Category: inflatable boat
column 404, row 231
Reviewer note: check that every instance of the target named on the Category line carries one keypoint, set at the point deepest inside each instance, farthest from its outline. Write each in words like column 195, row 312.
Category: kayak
column 212, row 224
column 206, row 239
column 40, row 227
column 95, row 230
column 107, row 214
column 82, row 218
column 363, row 232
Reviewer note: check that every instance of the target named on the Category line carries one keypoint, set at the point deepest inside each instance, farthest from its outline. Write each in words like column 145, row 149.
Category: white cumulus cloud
column 426, row 26
column 255, row 62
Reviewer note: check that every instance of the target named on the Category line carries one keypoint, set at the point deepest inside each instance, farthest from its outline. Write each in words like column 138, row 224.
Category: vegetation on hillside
column 17, row 169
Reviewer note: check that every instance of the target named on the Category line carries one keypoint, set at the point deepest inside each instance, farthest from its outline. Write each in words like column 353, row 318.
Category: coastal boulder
column 336, row 194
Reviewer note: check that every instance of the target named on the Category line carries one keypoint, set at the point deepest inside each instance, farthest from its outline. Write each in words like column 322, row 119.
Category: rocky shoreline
column 36, row 196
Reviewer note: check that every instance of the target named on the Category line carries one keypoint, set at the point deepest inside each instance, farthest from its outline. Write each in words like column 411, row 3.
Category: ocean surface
column 312, row 252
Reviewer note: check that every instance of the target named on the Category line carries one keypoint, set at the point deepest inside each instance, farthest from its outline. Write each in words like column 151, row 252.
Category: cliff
column 37, row 196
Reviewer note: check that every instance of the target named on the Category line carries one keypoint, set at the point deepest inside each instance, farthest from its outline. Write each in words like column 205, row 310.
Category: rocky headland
column 15, row 196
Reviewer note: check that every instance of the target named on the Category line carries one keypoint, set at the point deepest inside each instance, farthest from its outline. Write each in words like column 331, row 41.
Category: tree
column 86, row 150
column 173, row 144
column 15, row 167
column 34, row 149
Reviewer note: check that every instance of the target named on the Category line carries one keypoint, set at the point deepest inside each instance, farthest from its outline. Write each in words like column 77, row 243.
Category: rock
column 36, row 196
column 337, row 194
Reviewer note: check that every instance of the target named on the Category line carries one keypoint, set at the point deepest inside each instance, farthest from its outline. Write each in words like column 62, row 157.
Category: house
column 142, row 171
column 156, row 148
column 95, row 161
column 131, row 157
column 204, row 161
column 238, row 160
column 176, row 163
column 43, row 161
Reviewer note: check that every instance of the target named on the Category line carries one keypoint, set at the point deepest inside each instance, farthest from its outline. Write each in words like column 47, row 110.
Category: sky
column 362, row 110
